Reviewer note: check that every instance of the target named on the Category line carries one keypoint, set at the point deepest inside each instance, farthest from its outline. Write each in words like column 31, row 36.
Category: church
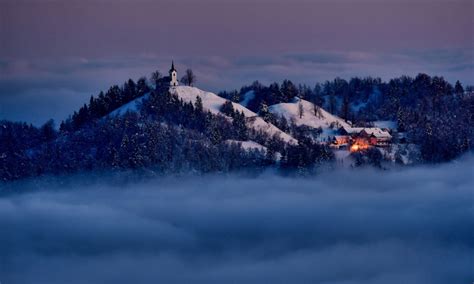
column 173, row 76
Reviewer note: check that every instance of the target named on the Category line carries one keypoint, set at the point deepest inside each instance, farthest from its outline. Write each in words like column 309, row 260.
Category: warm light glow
column 359, row 145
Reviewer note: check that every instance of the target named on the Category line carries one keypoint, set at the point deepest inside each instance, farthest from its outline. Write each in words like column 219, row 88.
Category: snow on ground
column 210, row 101
column 213, row 103
column 131, row 106
column 248, row 145
column 250, row 95
column 328, row 122
column 322, row 119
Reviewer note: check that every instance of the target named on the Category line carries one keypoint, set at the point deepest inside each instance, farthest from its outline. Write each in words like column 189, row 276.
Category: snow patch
column 131, row 106
column 248, row 145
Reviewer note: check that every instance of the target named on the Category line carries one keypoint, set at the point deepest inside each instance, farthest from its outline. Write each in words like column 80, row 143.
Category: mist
column 414, row 225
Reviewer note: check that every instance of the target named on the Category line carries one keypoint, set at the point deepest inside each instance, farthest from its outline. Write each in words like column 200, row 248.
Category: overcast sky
column 55, row 54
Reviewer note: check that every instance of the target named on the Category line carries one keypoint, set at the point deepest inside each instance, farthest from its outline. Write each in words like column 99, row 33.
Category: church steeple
column 172, row 66
column 173, row 75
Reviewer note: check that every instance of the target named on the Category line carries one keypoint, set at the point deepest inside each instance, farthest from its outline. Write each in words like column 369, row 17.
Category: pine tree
column 227, row 108
column 198, row 105
column 345, row 109
column 458, row 89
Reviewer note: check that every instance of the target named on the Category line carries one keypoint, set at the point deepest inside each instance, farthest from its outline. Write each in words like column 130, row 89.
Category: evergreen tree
column 458, row 89
column 227, row 108
column 198, row 105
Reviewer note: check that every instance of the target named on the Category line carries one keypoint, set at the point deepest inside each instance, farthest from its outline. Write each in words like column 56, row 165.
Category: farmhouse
column 376, row 136
column 341, row 141
column 362, row 138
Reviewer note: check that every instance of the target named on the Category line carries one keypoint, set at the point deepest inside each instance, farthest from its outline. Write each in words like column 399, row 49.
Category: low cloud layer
column 409, row 226
column 35, row 90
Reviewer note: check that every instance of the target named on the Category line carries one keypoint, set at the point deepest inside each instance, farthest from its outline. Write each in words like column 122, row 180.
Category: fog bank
column 410, row 226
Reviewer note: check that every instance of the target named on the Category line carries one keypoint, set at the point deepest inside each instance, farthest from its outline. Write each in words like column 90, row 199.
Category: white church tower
column 173, row 76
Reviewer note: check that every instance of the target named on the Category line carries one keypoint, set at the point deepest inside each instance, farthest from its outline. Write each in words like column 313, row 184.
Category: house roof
column 353, row 130
column 341, row 136
column 377, row 132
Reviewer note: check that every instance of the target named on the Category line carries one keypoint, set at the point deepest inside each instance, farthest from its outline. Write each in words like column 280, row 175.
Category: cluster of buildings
column 361, row 138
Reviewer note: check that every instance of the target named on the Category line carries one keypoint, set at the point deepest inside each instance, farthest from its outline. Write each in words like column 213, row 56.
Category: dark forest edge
column 169, row 136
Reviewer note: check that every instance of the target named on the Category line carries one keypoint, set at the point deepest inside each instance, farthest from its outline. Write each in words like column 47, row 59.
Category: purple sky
column 54, row 54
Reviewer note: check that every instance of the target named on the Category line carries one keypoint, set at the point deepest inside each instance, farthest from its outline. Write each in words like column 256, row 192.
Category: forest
column 168, row 135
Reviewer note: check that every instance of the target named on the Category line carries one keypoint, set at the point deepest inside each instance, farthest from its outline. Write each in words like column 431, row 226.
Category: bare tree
column 300, row 109
column 317, row 111
column 189, row 78
column 156, row 77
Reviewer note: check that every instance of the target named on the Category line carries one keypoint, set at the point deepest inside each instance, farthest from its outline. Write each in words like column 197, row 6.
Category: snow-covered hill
column 321, row 118
column 130, row 106
column 213, row 103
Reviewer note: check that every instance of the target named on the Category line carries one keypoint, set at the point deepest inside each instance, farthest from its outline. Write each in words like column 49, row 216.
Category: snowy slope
column 131, row 106
column 248, row 145
column 210, row 101
column 323, row 119
column 213, row 103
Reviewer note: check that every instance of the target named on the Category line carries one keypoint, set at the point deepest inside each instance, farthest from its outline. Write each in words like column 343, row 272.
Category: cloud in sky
column 408, row 226
column 35, row 90
column 55, row 54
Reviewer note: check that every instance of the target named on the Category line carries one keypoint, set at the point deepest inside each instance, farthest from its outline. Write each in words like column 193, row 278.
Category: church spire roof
column 172, row 66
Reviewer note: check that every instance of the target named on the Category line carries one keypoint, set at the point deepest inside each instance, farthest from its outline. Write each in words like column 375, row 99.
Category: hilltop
column 181, row 128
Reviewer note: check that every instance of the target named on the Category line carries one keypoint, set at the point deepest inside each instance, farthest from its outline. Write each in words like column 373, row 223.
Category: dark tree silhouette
column 189, row 78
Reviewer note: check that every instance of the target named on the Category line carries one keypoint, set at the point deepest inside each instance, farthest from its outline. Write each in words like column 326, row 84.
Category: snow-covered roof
column 341, row 136
column 353, row 130
column 377, row 132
